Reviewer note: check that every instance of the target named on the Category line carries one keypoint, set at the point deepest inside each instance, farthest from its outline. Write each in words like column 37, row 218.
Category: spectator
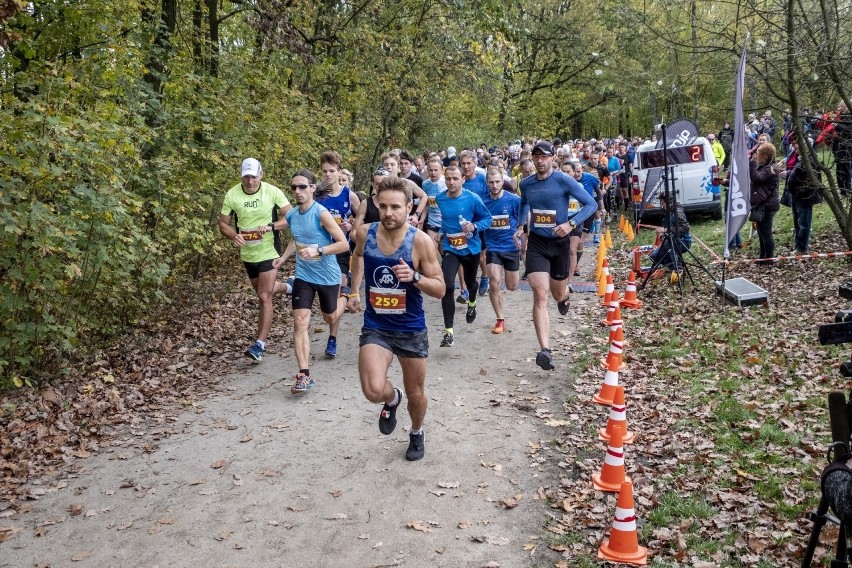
column 837, row 133
column 718, row 149
column 726, row 137
column 763, row 172
column 804, row 195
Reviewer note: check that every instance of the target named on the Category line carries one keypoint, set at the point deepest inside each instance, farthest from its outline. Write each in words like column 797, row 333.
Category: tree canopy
column 124, row 122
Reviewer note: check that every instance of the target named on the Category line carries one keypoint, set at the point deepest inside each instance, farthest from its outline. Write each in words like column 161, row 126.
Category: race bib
column 301, row 246
column 500, row 222
column 252, row 237
column 388, row 300
column 573, row 205
column 433, row 201
column 544, row 218
column 457, row 240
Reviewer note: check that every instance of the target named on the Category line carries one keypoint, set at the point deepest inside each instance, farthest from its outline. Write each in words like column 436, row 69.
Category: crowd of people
column 768, row 167
column 457, row 226
column 454, row 226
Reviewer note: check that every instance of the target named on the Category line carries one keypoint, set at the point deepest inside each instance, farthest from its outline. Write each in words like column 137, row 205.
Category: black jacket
column 764, row 186
column 803, row 192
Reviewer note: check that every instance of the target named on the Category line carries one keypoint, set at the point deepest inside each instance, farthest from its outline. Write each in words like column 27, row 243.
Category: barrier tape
column 791, row 257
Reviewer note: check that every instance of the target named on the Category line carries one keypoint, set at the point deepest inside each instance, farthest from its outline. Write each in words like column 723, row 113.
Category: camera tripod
column 838, row 452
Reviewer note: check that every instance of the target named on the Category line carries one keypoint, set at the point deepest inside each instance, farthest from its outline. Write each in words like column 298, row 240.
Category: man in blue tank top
column 317, row 238
column 342, row 203
column 398, row 265
column 545, row 199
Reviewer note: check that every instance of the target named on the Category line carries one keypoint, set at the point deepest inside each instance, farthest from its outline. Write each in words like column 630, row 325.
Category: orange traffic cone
column 617, row 417
column 610, row 288
column 612, row 473
column 658, row 241
column 630, row 299
column 604, row 266
column 601, row 285
column 608, row 238
column 610, row 312
column 606, row 394
column 615, row 357
column 621, row 221
column 637, row 260
column 630, row 234
column 601, row 259
column 623, row 542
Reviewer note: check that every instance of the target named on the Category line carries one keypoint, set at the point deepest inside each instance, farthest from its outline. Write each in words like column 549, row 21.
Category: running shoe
column 463, row 297
column 255, row 352
column 563, row 306
column 499, row 327
column 303, row 384
column 483, row 285
column 289, row 284
column 471, row 314
column 448, row 340
column 387, row 417
column 544, row 359
column 331, row 347
column 416, row 449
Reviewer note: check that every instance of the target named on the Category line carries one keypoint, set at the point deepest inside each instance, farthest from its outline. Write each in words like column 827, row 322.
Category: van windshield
column 677, row 155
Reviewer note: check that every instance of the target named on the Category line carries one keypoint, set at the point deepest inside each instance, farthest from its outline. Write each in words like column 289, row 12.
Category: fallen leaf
column 218, row 464
column 198, row 481
column 336, row 493
column 75, row 509
column 337, row 517
column 223, row 535
column 419, row 526
column 82, row 555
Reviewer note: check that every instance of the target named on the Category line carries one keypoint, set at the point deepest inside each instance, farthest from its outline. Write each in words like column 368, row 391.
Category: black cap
column 543, row 147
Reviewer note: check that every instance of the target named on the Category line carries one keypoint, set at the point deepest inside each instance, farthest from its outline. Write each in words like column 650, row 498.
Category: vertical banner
column 739, row 188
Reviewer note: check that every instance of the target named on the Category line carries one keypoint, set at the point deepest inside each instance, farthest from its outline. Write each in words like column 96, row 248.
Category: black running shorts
column 303, row 296
column 510, row 261
column 548, row 255
column 405, row 344
column 255, row 268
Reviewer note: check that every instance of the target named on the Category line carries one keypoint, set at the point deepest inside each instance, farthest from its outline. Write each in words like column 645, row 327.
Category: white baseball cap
column 251, row 167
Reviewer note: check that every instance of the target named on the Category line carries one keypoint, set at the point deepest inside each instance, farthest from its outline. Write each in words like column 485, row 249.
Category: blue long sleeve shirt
column 549, row 199
column 469, row 206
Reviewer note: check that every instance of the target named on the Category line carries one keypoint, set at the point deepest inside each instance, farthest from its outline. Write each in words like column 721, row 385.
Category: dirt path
column 257, row 476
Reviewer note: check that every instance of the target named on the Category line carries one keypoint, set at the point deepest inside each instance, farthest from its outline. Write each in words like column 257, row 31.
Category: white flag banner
column 739, row 188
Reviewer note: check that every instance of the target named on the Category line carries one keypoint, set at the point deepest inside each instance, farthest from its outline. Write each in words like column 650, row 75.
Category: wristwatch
column 572, row 223
column 416, row 278
column 320, row 249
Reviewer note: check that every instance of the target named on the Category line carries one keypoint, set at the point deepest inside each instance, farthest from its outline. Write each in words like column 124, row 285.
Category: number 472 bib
column 388, row 300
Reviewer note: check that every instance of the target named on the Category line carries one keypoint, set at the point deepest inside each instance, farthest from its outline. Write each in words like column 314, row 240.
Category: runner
column 317, row 238
column 255, row 206
column 342, row 204
column 394, row 321
column 475, row 181
column 434, row 185
column 368, row 212
column 390, row 162
column 502, row 255
column 590, row 183
column 462, row 215
column 546, row 196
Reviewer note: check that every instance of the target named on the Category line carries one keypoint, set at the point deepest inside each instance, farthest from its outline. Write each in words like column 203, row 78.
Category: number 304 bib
column 544, row 218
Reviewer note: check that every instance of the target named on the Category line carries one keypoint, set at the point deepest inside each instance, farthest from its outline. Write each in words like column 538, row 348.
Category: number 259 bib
column 388, row 300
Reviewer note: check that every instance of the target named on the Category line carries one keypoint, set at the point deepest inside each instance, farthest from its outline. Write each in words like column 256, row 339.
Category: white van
column 696, row 177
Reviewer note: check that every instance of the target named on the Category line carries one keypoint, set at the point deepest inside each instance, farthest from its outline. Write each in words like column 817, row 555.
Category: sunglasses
column 299, row 186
